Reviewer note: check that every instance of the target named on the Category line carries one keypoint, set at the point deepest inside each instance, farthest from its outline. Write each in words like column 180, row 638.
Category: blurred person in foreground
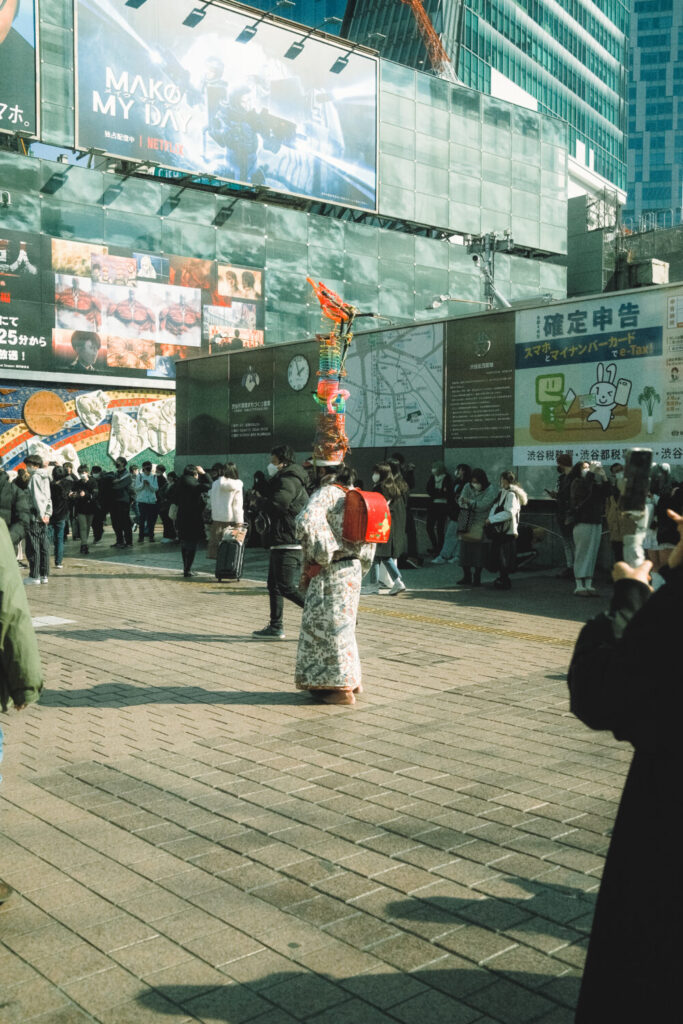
column 625, row 676
column 21, row 676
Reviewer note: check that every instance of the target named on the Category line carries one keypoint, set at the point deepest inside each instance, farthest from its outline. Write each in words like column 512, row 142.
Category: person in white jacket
column 504, row 516
column 227, row 505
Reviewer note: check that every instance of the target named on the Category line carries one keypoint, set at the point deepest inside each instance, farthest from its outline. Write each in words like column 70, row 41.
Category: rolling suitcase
column 230, row 558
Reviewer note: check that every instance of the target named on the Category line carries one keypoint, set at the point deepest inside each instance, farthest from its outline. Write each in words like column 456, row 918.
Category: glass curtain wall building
column 563, row 57
column 308, row 12
column 655, row 116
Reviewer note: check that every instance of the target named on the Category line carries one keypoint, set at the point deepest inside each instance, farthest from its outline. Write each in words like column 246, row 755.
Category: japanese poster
column 18, row 70
column 24, row 326
column 251, row 401
column 596, row 377
column 480, row 381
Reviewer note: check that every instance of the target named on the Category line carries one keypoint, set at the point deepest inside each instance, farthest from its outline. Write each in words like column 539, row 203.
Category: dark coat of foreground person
column 626, row 676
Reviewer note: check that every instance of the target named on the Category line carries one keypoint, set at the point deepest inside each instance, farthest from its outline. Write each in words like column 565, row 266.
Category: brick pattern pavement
column 190, row 839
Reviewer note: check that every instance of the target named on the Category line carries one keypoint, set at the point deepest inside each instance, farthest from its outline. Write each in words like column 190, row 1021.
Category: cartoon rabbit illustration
column 604, row 393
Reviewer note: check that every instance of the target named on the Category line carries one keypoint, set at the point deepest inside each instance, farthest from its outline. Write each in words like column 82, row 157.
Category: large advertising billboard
column 78, row 308
column 227, row 96
column 18, row 67
column 596, row 377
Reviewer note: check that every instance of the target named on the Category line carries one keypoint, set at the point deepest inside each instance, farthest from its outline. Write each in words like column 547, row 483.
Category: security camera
column 5, row 199
column 475, row 258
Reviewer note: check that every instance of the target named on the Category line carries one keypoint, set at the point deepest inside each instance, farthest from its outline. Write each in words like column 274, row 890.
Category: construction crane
column 438, row 58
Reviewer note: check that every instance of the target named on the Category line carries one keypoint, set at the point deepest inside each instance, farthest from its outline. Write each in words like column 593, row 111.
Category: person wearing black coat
column 14, row 508
column 188, row 494
column 286, row 496
column 625, row 676
column 60, row 489
column 439, row 487
column 84, row 498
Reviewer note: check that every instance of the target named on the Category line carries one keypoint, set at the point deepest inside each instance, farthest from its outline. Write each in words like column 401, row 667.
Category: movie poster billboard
column 228, row 97
column 480, row 381
column 595, row 377
column 25, row 329
column 18, row 66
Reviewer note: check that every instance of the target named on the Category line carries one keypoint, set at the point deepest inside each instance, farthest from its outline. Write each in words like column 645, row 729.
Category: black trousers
column 284, row 573
column 38, row 549
column 120, row 520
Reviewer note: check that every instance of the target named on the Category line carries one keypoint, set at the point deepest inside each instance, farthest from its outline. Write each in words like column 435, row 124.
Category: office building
column 655, row 116
column 567, row 59
column 315, row 13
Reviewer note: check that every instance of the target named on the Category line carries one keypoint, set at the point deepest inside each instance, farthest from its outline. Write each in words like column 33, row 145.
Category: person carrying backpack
column 286, row 497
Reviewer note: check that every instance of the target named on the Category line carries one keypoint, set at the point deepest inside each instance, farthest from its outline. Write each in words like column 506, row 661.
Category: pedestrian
column 588, row 493
column 387, row 554
column 40, row 507
column 252, row 501
column 20, row 481
column 632, row 969
column 163, row 504
column 451, row 543
column 227, row 505
column 146, row 488
column 411, row 559
column 60, row 489
column 21, row 676
column 121, row 497
column 100, row 513
column 475, row 501
column 503, row 522
column 286, row 496
column 14, row 508
column 562, row 514
column 187, row 495
column 439, row 485
column 327, row 661
column 85, row 503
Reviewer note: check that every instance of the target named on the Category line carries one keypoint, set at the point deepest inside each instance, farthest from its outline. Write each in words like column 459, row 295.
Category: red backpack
column 367, row 519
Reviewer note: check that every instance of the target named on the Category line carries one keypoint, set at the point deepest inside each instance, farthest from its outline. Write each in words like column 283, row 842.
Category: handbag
column 464, row 520
column 473, row 535
column 173, row 512
column 492, row 531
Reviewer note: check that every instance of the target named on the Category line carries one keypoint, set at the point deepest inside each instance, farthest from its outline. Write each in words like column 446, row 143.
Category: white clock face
column 298, row 373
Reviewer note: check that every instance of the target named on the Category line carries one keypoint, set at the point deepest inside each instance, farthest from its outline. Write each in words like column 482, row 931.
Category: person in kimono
column 622, row 679
column 327, row 662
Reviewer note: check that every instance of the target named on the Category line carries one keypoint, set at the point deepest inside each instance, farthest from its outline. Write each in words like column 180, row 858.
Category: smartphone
column 637, row 476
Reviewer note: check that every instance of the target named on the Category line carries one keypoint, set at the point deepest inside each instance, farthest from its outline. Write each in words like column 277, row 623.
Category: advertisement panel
column 599, row 376
column 84, row 309
column 480, row 381
column 250, row 102
column 18, row 66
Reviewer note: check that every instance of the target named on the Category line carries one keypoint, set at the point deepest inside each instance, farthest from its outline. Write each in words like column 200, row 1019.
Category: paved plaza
column 190, row 839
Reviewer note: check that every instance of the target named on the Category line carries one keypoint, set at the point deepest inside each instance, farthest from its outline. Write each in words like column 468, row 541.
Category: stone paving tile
column 190, row 845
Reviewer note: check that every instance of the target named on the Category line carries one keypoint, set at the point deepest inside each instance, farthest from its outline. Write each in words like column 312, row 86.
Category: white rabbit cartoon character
column 607, row 394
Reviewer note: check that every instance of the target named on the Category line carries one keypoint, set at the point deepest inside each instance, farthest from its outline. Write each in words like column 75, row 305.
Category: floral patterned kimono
column 327, row 655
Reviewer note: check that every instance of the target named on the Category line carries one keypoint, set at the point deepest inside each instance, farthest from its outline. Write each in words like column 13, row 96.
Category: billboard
column 227, row 97
column 598, row 376
column 69, row 307
column 18, row 67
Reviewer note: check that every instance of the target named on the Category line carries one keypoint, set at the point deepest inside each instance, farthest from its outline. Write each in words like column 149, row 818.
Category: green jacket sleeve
column 21, row 675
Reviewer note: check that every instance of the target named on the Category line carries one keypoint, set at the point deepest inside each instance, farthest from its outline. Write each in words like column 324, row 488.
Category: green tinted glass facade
column 569, row 56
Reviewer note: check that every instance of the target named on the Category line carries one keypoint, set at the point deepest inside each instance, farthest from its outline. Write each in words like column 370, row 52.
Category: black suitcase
column 230, row 558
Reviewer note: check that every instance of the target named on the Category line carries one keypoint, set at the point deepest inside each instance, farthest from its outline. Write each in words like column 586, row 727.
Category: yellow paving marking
column 472, row 627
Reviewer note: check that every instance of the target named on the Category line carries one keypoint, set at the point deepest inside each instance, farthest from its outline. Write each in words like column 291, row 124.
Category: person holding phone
column 633, row 965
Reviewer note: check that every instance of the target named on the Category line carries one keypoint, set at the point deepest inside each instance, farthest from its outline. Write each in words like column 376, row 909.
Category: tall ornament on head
column 331, row 443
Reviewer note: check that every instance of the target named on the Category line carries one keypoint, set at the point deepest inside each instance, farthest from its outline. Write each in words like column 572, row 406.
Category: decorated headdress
column 331, row 443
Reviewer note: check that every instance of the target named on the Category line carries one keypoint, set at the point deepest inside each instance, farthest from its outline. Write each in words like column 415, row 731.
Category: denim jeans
column 390, row 566
column 148, row 517
column 56, row 532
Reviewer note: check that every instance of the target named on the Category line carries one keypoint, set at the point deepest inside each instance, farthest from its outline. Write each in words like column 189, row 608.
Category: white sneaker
column 44, row 579
column 398, row 588
column 439, row 560
column 31, row 581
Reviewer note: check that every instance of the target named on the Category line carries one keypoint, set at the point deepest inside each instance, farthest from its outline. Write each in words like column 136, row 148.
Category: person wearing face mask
column 589, row 490
column 395, row 491
column 40, row 503
column 476, row 499
column 613, row 511
column 286, row 496
column 565, row 529
column 439, row 485
column 450, row 552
